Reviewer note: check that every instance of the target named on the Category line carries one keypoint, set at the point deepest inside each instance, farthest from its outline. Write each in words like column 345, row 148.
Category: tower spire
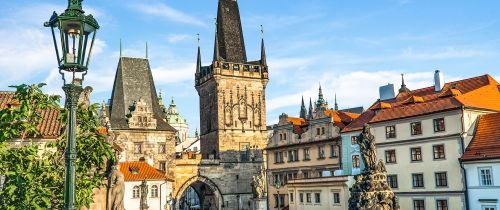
column 321, row 101
column 230, row 39
column 262, row 48
column 216, row 44
column 198, row 61
column 120, row 48
column 403, row 85
column 147, row 50
column 310, row 112
column 303, row 109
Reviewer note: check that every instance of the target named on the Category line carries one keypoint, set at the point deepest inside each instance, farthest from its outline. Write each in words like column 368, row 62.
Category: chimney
column 387, row 92
column 438, row 81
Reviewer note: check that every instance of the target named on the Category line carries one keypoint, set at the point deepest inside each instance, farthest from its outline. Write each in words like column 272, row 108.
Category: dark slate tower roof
column 134, row 81
column 231, row 45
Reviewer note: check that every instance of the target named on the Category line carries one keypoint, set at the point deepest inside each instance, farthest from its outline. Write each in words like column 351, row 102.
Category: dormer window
column 134, row 169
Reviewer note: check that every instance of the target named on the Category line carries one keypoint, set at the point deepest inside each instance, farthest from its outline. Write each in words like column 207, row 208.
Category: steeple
column 303, row 109
column 198, row 61
column 230, row 41
column 310, row 112
column 216, row 43
column 263, row 51
column 403, row 85
column 321, row 101
column 336, row 104
column 147, row 50
column 120, row 48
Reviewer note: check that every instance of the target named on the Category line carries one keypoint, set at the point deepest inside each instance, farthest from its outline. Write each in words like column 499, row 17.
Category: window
column 321, row 152
column 418, row 205
column 154, row 191
column 439, row 125
column 135, row 192
column 318, row 131
column 418, row 180
column 442, row 204
column 489, row 208
column 278, row 157
column 307, row 155
column 438, row 151
column 334, row 151
column 281, row 201
column 392, row 180
column 322, row 130
column 293, row 155
column 441, row 179
column 301, row 197
column 305, row 174
column 162, row 149
column 485, row 177
column 137, row 148
column 336, row 197
column 355, row 161
column 308, row 198
column 390, row 156
column 416, row 128
column 390, row 131
column 416, row 154
column 244, row 151
column 354, row 140
column 291, row 197
column 317, row 197
column 163, row 166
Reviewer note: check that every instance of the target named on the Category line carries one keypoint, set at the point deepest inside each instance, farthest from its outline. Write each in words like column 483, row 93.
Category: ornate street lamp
column 73, row 34
column 277, row 184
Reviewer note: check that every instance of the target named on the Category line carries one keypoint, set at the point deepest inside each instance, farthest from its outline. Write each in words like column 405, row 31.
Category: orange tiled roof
column 477, row 92
column 296, row 120
column 49, row 127
column 486, row 141
column 341, row 117
column 359, row 122
column 138, row 171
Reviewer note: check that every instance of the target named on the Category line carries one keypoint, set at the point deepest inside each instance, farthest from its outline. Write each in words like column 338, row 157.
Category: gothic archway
column 208, row 195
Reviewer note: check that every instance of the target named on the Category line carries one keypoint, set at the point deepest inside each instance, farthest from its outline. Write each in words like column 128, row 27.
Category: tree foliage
column 34, row 177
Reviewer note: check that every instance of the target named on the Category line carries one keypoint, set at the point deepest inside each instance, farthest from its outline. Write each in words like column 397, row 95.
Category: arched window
column 154, row 191
column 136, row 192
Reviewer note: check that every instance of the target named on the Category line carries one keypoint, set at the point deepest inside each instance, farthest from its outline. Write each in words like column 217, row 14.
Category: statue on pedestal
column 371, row 190
column 258, row 184
column 116, row 190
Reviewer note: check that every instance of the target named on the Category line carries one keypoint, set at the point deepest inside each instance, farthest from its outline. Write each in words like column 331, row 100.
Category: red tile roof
column 296, row 120
column 478, row 92
column 49, row 127
column 486, row 141
column 340, row 118
column 138, row 171
column 359, row 122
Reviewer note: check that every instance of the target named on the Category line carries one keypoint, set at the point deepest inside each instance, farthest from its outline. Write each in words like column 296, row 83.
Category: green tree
column 34, row 180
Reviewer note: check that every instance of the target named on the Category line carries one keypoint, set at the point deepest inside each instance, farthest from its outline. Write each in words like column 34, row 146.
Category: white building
column 159, row 186
column 175, row 120
column 481, row 161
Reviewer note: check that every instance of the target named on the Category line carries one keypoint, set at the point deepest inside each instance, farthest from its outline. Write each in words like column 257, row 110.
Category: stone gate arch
column 203, row 181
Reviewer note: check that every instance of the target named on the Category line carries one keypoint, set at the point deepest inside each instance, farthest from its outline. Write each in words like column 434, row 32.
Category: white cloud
column 174, row 38
column 174, row 74
column 167, row 12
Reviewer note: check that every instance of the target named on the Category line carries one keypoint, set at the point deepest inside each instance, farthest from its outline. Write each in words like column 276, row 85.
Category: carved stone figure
column 116, row 190
column 85, row 96
column 371, row 190
column 144, row 195
column 258, row 185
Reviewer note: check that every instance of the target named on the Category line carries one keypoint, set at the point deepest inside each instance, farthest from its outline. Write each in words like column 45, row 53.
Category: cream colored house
column 422, row 133
column 304, row 155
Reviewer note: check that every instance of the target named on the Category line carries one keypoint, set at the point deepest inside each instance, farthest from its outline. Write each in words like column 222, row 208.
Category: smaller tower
column 336, row 104
column 403, row 85
column 310, row 112
column 321, row 102
column 263, row 50
column 303, row 109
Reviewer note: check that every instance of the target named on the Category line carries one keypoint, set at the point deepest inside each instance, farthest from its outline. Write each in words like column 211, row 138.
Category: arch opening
column 199, row 193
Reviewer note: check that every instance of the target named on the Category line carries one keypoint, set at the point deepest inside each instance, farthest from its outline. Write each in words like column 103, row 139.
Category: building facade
column 304, row 156
column 421, row 134
column 481, row 162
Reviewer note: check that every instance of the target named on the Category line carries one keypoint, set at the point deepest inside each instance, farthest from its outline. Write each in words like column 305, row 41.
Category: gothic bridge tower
column 232, row 119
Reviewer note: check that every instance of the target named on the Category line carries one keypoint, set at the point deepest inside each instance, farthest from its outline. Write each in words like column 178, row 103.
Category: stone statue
column 116, row 190
column 258, row 184
column 85, row 96
column 144, row 195
column 371, row 190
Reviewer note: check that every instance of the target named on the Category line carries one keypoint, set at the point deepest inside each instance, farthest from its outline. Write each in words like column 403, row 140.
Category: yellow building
column 303, row 156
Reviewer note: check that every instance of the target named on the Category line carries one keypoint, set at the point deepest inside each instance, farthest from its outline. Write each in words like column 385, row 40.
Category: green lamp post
column 73, row 34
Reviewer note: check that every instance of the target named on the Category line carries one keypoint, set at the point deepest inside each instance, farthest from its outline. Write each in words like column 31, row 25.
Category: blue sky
column 350, row 47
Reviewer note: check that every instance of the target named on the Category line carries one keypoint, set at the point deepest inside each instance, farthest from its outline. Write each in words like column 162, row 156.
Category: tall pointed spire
column 198, row 60
column 262, row 48
column 120, row 48
column 321, row 101
column 216, row 43
column 310, row 112
column 403, row 85
column 336, row 104
column 303, row 109
column 147, row 50
column 230, row 33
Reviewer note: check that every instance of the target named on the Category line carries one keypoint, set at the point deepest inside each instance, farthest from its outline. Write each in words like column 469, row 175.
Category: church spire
column 303, row 109
column 230, row 39
column 321, row 101
column 263, row 50
column 198, row 61
column 310, row 112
